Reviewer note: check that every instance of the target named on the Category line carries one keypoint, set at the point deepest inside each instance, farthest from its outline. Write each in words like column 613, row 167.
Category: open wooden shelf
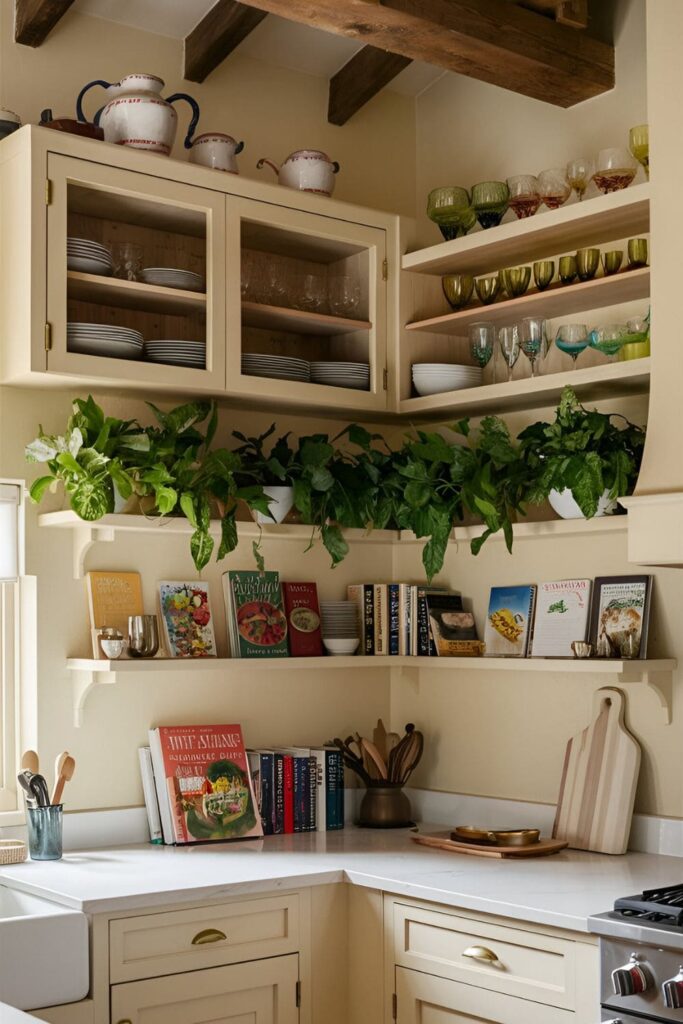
column 114, row 291
column 558, row 300
column 591, row 222
column 89, row 672
column 591, row 383
column 298, row 321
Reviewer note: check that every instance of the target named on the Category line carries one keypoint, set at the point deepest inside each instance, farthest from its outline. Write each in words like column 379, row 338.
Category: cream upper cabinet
column 259, row 992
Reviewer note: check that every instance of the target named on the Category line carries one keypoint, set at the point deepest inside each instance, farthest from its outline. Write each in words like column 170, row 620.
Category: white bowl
column 338, row 647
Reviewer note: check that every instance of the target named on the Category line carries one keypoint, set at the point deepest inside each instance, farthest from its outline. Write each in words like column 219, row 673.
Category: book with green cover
column 258, row 622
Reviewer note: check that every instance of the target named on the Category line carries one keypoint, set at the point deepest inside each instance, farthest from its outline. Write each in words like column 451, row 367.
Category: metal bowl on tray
column 496, row 836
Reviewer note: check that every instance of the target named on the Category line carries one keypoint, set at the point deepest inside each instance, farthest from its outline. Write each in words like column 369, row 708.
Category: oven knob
column 672, row 991
column 631, row 979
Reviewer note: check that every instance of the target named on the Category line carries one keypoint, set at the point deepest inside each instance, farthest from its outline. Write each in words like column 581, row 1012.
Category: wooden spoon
column 379, row 738
column 372, row 752
column 30, row 762
column 59, row 764
column 66, row 774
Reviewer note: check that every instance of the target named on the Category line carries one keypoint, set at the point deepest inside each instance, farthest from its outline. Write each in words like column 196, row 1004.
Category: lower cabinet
column 258, row 992
column 425, row 999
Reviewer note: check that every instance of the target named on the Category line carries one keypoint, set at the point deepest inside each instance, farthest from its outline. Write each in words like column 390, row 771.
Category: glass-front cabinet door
column 306, row 308
column 135, row 278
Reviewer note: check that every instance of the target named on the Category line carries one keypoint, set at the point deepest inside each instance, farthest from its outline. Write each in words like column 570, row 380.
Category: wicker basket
column 12, row 851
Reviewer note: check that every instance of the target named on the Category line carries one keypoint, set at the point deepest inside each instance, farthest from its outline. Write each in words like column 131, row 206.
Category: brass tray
column 495, row 836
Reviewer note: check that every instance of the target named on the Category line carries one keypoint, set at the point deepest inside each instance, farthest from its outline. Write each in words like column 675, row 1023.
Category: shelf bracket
column 82, row 683
column 661, row 683
column 83, row 539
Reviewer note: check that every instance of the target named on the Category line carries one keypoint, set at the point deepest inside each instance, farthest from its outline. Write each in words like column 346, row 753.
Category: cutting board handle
column 608, row 697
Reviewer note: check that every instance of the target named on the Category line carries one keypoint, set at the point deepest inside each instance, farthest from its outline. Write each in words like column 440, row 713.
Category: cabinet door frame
column 320, row 226
column 65, row 170
column 276, row 976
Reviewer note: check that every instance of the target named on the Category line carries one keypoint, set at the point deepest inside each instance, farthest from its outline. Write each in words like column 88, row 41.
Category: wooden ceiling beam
column 491, row 40
column 217, row 34
column 35, row 19
column 360, row 79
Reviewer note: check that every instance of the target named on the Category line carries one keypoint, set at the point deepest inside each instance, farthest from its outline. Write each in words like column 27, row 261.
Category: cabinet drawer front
column 188, row 940
column 527, row 965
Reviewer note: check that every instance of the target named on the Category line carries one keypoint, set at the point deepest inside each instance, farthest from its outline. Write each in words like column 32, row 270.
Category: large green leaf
column 40, row 486
column 228, row 535
column 201, row 547
column 92, row 499
column 334, row 543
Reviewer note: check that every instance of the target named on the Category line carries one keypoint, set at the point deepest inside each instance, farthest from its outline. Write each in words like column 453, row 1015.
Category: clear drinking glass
column 554, row 187
column 313, row 293
column 343, row 295
column 525, row 197
column 608, row 340
column 579, row 174
column 246, row 265
column 44, row 826
column 572, row 339
column 482, row 342
column 127, row 258
column 508, row 339
column 615, row 169
column 533, row 341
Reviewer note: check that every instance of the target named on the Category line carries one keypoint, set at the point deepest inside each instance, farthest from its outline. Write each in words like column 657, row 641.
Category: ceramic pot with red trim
column 309, row 170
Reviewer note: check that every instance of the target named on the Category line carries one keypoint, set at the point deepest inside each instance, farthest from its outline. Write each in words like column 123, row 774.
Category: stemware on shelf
column 246, row 267
column 637, row 252
column 636, row 339
column 127, row 258
column 544, row 272
column 587, row 263
column 615, row 169
column 567, row 269
column 525, row 197
column 343, row 294
column 579, row 173
column 508, row 339
column 639, row 145
column 487, row 288
column 532, row 339
column 450, row 209
column 482, row 342
column 276, row 284
column 611, row 261
column 458, row 289
column 607, row 340
column 554, row 188
column 312, row 293
column 572, row 339
column 516, row 280
column 490, row 201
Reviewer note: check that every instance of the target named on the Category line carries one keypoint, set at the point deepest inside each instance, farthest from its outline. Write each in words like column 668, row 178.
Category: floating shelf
column 591, row 222
column 89, row 673
column 298, row 321
column 591, row 383
column 114, row 291
column 559, row 300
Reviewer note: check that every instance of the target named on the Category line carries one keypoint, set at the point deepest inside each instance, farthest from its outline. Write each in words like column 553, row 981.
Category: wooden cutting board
column 443, row 841
column 598, row 787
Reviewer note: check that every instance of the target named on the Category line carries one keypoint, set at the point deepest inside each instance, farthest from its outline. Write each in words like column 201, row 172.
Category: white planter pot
column 563, row 503
column 281, row 501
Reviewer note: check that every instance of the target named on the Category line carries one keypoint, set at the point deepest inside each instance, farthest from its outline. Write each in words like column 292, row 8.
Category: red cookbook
column 203, row 783
column 303, row 619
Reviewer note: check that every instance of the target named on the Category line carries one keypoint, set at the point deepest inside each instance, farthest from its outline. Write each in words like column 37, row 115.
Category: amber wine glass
column 614, row 169
column 554, row 187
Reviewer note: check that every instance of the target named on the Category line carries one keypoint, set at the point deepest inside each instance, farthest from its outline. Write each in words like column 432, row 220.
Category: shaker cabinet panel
column 135, row 278
column 260, row 992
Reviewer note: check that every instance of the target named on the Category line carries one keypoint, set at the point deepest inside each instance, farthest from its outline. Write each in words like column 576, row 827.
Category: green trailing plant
column 583, row 450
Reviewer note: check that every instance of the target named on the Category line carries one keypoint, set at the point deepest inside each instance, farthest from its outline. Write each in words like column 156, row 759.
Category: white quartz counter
column 561, row 890
column 9, row 1015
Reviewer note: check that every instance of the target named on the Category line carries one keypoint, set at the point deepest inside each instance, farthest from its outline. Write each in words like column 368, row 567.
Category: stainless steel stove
column 641, row 957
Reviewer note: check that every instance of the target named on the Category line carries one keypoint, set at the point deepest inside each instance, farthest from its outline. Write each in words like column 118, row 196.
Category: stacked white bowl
column 434, row 378
column 341, row 632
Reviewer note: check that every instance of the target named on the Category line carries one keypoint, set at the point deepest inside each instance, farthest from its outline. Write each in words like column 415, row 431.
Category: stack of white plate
column 88, row 257
column 169, row 277
column 434, row 378
column 342, row 375
column 278, row 367
column 177, row 353
column 341, row 632
column 104, row 340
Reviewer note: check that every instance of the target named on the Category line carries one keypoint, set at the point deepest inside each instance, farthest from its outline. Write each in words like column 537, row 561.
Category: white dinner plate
column 99, row 347
column 85, row 265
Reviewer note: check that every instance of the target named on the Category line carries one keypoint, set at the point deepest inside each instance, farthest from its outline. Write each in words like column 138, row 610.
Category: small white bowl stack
column 88, row 257
column 341, row 632
column 435, row 378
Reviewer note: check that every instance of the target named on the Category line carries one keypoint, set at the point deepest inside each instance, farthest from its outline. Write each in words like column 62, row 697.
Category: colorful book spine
column 334, row 790
column 301, row 782
column 267, row 795
column 318, row 756
column 425, row 646
column 381, row 618
column 394, row 616
column 404, row 617
column 368, row 618
column 312, row 817
column 278, row 794
column 303, row 619
column 288, row 790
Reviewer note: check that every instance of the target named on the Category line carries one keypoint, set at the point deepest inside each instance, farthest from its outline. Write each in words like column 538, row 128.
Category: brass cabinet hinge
column 298, row 993
column 48, row 191
column 385, row 379
column 385, row 269
column 394, row 1006
column 48, row 337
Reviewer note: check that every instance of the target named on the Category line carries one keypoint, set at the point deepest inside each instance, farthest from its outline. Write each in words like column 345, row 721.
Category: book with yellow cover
column 112, row 598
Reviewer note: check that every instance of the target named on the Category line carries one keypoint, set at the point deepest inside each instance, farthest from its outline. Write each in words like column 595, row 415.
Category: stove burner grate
column 663, row 905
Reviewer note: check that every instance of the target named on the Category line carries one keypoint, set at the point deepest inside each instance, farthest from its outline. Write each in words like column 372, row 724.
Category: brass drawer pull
column 207, row 936
column 481, row 953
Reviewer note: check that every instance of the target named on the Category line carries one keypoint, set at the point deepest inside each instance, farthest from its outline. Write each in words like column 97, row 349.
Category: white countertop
column 10, row 1015
column 561, row 891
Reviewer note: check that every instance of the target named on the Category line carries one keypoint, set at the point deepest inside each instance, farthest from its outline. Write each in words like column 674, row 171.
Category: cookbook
column 561, row 617
column 187, row 619
column 303, row 619
column 256, row 617
column 620, row 613
column 112, row 598
column 508, row 621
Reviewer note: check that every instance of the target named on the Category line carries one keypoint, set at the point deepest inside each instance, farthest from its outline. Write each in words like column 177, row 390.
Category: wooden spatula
column 30, row 762
column 379, row 738
column 66, row 772
column 374, row 755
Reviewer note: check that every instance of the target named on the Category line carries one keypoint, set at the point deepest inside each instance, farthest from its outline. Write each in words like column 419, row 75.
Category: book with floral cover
column 203, row 783
column 186, row 615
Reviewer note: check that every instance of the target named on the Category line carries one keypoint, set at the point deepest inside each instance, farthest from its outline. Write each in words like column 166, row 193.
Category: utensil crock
column 385, row 806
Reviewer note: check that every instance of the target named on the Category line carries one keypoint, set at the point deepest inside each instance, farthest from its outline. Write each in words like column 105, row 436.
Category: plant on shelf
column 582, row 452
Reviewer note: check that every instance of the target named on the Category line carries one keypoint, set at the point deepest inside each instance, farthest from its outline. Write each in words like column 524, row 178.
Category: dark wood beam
column 360, row 79
column 217, row 34
column 35, row 19
column 492, row 40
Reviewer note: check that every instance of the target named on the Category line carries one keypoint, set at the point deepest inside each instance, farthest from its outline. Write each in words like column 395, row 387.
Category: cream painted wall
column 468, row 131
column 273, row 109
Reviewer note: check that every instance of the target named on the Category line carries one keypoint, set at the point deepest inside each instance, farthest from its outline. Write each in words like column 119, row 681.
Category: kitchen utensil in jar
column 65, row 767
column 30, row 762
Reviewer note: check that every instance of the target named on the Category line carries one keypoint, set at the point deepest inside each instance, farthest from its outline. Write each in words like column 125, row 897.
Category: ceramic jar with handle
column 136, row 115
column 217, row 150
column 308, row 170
